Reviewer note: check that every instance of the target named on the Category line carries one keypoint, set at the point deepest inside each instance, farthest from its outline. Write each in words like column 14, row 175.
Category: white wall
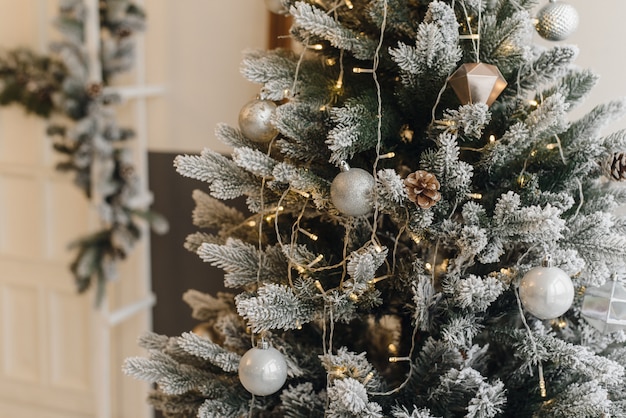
column 194, row 48
column 600, row 37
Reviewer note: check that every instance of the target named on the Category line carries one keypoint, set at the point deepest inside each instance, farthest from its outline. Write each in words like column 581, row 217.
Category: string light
column 378, row 248
column 542, row 383
column 406, row 133
column 308, row 234
column 339, row 371
column 369, row 377
column 492, row 138
column 398, row 359
column 473, row 37
column 388, row 155
column 251, row 224
column 358, row 70
column 552, row 146
column 315, row 261
column 320, row 287
column 393, row 349
column 331, row 61
column 522, row 180
column 316, row 47
column 534, row 103
column 353, row 297
column 476, row 196
column 377, row 279
column 428, row 266
column 302, row 193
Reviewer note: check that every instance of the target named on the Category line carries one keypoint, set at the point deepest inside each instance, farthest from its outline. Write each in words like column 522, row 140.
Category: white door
column 59, row 357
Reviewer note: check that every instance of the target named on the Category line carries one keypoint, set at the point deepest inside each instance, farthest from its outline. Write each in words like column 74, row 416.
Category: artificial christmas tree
column 406, row 304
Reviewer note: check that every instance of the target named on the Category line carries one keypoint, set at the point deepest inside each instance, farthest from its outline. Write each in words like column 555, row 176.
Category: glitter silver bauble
column 556, row 21
column 276, row 6
column 255, row 120
column 262, row 370
column 352, row 191
column 546, row 292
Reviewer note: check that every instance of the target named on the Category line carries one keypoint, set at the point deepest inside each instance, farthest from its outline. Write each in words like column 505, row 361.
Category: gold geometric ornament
column 477, row 83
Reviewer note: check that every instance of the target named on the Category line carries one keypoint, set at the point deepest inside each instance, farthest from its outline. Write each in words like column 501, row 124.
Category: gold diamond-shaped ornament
column 477, row 83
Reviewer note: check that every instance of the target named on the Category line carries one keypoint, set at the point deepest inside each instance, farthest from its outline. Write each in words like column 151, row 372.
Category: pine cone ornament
column 423, row 188
column 615, row 166
column 94, row 89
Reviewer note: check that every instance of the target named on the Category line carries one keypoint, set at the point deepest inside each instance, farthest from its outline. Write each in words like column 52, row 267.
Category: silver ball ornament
column 255, row 120
column 546, row 292
column 352, row 192
column 556, row 21
column 263, row 370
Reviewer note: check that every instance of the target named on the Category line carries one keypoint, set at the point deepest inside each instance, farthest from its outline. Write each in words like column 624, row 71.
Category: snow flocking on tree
column 402, row 233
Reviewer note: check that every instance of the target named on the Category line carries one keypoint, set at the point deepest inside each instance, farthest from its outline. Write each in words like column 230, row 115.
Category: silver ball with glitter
column 352, row 191
column 556, row 21
column 255, row 120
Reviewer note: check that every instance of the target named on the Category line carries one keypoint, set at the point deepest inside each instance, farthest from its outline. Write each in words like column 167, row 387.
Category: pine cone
column 423, row 188
column 615, row 166
column 94, row 89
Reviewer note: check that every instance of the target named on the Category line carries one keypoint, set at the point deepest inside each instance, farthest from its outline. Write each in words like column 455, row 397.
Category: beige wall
column 194, row 48
column 600, row 37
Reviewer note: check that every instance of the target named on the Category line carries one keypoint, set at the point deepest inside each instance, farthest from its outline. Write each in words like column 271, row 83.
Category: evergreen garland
column 83, row 128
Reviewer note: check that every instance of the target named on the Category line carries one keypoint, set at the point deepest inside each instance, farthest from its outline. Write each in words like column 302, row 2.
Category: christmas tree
column 428, row 235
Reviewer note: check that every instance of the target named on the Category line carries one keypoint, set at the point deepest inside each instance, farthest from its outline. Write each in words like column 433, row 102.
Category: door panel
column 60, row 357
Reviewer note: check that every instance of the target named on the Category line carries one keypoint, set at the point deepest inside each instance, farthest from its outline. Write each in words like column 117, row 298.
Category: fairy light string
column 379, row 119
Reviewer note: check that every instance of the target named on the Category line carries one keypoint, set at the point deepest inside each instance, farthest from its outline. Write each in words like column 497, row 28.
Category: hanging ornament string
column 475, row 38
column 376, row 207
column 533, row 344
column 379, row 120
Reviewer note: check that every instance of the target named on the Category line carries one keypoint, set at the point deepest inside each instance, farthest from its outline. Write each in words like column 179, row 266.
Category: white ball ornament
column 262, row 370
column 255, row 120
column 352, row 191
column 547, row 292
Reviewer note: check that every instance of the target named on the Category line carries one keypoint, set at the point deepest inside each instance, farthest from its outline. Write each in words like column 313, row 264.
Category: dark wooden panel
column 174, row 269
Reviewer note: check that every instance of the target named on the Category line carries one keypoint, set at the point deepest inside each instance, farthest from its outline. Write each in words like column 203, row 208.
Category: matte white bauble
column 255, row 120
column 263, row 370
column 546, row 292
column 352, row 191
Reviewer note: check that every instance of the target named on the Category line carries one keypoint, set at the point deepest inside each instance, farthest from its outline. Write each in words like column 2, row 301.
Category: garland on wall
column 83, row 128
